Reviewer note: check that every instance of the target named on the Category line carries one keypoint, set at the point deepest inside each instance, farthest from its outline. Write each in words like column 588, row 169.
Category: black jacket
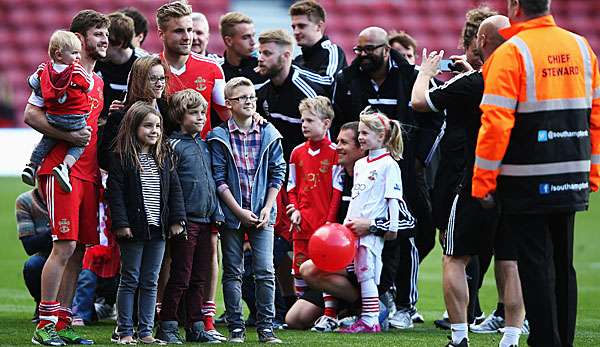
column 126, row 202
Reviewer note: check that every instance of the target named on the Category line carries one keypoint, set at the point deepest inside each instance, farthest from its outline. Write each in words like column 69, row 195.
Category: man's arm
column 428, row 70
column 595, row 125
column 36, row 118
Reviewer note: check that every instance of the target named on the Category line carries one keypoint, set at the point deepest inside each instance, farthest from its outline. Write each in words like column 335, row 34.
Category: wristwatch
column 373, row 227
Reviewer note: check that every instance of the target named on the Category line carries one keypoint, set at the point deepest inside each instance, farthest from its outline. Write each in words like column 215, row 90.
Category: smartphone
column 447, row 65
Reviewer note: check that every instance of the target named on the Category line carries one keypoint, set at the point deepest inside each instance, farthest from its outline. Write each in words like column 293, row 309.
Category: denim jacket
column 194, row 165
column 270, row 171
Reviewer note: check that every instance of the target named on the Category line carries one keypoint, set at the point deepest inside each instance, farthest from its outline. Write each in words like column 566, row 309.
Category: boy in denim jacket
column 249, row 169
column 191, row 256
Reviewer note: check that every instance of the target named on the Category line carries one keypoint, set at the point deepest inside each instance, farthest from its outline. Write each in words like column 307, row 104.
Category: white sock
column 510, row 337
column 370, row 302
column 459, row 332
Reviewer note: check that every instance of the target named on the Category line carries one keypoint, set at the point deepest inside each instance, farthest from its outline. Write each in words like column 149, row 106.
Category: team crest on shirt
column 325, row 164
column 200, row 83
column 64, row 225
column 372, row 175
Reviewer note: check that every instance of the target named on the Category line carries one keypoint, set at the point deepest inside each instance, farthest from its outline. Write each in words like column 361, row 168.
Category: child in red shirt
column 314, row 185
column 64, row 84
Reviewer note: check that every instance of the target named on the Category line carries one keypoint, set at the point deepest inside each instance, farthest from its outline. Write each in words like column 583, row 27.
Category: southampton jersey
column 315, row 185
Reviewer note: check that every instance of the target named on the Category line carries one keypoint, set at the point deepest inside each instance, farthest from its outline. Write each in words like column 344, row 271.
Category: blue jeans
column 62, row 122
column 261, row 241
column 83, row 303
column 140, row 265
column 32, row 274
column 280, row 248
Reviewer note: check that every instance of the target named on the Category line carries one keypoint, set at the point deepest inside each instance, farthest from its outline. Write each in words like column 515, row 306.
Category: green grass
column 16, row 306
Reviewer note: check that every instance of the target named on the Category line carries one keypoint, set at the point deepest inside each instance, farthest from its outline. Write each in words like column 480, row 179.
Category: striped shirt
column 150, row 179
column 246, row 149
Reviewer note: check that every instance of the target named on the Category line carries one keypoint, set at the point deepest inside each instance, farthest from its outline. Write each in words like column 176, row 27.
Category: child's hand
column 359, row 226
column 176, row 229
column 123, row 233
column 248, row 218
column 289, row 209
column 264, row 216
column 390, row 236
column 296, row 217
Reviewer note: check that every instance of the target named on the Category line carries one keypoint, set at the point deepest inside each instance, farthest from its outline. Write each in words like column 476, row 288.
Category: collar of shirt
column 517, row 27
column 318, row 144
column 391, row 65
column 233, row 127
column 307, row 52
column 173, row 70
column 245, row 62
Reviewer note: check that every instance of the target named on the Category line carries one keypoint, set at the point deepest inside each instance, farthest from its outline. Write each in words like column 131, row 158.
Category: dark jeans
column 189, row 275
column 140, row 265
column 32, row 274
column 280, row 249
column 548, row 279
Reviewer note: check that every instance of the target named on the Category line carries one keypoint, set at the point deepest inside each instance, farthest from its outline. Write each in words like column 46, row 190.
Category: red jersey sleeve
column 81, row 78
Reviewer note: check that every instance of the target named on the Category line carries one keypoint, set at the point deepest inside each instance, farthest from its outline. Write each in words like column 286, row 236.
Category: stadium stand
column 435, row 24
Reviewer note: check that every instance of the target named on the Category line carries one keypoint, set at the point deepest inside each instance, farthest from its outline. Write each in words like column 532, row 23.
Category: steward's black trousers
column 545, row 259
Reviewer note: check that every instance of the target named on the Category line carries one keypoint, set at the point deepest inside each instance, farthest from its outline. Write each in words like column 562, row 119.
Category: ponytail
column 394, row 143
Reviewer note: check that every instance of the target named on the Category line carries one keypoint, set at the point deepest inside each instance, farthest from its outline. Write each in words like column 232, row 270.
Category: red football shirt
column 86, row 168
column 314, row 185
column 64, row 92
column 205, row 76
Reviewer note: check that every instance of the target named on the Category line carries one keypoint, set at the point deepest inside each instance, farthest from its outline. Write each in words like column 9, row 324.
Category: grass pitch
column 16, row 305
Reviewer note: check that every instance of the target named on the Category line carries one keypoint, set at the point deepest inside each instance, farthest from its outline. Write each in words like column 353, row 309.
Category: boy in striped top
column 64, row 85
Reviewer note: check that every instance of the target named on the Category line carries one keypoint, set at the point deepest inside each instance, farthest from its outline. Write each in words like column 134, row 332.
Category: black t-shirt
column 245, row 69
column 115, row 79
column 462, row 95
column 346, row 197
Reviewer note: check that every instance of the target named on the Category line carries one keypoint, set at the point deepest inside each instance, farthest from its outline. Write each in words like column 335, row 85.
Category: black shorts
column 474, row 230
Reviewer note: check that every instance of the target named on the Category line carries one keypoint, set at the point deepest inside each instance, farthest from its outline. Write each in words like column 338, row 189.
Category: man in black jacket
column 319, row 54
column 381, row 78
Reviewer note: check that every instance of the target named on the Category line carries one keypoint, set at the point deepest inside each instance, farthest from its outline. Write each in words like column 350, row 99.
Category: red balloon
column 332, row 247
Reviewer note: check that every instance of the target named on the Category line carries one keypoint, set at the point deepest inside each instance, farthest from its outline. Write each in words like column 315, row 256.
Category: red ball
column 332, row 247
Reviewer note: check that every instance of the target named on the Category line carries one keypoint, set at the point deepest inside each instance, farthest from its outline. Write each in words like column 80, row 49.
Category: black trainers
column 463, row 343
column 237, row 335
column 266, row 335
column 197, row 334
column 28, row 175
column 168, row 331
column 443, row 324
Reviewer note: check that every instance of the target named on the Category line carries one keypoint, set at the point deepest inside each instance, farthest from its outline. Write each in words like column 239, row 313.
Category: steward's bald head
column 488, row 36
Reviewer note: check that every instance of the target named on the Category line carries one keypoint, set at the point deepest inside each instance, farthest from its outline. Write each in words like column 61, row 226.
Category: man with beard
column 472, row 228
column 279, row 98
column 189, row 69
column 319, row 54
column 120, row 55
column 73, row 216
column 382, row 78
column 239, row 59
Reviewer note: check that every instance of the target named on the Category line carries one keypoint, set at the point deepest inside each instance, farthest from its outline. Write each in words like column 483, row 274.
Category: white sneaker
column 490, row 325
column 217, row 335
column 401, row 320
column 347, row 322
column 61, row 173
column 524, row 328
column 417, row 317
column 325, row 324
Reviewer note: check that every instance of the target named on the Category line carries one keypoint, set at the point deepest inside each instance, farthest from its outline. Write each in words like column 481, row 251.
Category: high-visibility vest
column 539, row 143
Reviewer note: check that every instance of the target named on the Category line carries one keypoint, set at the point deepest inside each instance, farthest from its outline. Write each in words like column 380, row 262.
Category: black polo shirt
column 461, row 96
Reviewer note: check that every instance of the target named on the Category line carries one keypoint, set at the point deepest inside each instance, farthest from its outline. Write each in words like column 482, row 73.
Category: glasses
column 369, row 49
column 154, row 79
column 244, row 99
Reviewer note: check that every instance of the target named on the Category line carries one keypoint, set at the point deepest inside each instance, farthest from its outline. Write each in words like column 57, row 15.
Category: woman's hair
column 138, row 83
column 127, row 145
column 380, row 123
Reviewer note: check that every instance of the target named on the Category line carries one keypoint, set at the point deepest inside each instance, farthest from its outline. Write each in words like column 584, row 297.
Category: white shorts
column 367, row 264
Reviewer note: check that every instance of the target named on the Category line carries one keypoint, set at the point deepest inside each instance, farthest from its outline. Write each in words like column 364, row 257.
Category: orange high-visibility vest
column 539, row 142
